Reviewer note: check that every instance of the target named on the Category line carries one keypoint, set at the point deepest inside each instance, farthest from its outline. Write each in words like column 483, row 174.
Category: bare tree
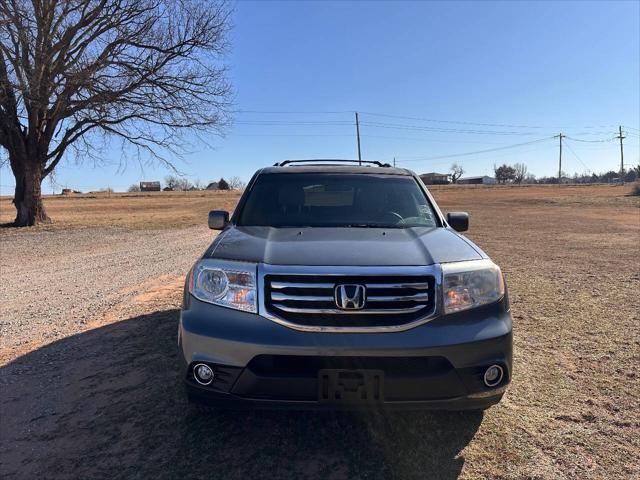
column 504, row 173
column 235, row 183
column 521, row 172
column 78, row 74
column 456, row 172
column 177, row 183
column 134, row 187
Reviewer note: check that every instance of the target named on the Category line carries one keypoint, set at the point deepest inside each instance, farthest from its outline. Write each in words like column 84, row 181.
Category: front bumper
column 261, row 364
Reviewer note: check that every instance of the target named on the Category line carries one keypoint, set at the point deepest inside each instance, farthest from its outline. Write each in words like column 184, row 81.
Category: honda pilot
column 339, row 285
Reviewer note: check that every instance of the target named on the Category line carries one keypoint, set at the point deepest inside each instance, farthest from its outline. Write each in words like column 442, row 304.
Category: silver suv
column 343, row 286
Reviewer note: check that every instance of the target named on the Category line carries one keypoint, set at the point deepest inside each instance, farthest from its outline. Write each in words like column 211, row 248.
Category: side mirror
column 218, row 219
column 459, row 221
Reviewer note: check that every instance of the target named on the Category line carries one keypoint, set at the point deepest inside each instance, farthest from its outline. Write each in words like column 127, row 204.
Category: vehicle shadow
column 107, row 403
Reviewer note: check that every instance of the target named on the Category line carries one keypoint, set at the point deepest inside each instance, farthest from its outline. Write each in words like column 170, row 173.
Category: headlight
column 228, row 284
column 471, row 284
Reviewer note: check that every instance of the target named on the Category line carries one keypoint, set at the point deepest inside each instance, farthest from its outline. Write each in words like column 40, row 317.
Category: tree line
column 519, row 173
column 181, row 184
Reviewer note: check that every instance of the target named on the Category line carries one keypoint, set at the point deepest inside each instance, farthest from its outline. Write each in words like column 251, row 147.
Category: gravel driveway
column 54, row 283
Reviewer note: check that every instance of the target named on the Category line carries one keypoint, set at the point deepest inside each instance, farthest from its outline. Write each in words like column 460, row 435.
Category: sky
column 434, row 83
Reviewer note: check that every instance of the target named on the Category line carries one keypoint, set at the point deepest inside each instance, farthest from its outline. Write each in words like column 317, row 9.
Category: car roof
column 330, row 168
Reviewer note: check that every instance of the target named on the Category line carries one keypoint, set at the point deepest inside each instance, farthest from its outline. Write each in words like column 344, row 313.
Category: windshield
column 336, row 200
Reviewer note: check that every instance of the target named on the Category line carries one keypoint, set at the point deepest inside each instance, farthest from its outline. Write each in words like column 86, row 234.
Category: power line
column 385, row 137
column 410, row 127
column 422, row 119
column 291, row 135
column 478, row 152
column 457, row 122
column 430, row 139
column 589, row 141
column 293, row 122
column 576, row 155
column 374, row 125
column 483, row 124
column 594, row 146
column 298, row 112
column 399, row 126
column 463, row 162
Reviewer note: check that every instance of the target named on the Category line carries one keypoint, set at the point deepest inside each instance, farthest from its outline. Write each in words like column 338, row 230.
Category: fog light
column 203, row 374
column 493, row 375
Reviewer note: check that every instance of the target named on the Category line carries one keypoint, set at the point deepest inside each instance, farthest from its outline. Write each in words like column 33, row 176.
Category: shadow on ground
column 106, row 403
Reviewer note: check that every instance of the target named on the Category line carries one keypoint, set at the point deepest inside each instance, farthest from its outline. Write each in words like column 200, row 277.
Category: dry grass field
column 93, row 393
column 154, row 210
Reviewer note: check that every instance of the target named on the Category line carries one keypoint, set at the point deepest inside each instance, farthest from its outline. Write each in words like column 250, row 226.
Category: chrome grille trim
column 283, row 297
column 416, row 286
column 281, row 285
column 373, row 311
column 420, row 296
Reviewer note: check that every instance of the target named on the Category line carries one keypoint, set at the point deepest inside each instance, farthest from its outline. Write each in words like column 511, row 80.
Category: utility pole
column 560, row 137
column 394, row 162
column 620, row 136
column 358, row 135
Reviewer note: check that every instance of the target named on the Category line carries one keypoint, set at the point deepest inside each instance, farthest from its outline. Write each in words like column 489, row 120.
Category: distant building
column 434, row 178
column 213, row 186
column 483, row 180
column 168, row 189
column 149, row 186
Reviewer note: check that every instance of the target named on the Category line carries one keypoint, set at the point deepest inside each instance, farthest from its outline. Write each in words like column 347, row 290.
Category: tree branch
column 145, row 72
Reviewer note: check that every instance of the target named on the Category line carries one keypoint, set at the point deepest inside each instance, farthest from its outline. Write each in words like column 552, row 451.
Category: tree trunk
column 28, row 198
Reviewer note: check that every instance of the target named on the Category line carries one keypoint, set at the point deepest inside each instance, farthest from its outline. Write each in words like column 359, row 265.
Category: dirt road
column 89, row 379
column 57, row 282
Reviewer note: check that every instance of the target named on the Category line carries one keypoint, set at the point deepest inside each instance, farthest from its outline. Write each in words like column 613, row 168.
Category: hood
column 343, row 246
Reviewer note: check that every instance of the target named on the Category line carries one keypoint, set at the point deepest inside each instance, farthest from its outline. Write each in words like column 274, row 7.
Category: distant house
column 434, row 178
column 213, row 186
column 168, row 189
column 482, row 180
column 149, row 186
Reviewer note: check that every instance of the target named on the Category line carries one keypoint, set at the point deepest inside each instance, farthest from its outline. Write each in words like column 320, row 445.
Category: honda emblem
column 350, row 297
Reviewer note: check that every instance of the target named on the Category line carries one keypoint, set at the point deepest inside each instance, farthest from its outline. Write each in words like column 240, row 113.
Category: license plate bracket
column 350, row 386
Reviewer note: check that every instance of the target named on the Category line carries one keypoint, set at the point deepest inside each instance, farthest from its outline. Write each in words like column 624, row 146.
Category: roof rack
column 332, row 161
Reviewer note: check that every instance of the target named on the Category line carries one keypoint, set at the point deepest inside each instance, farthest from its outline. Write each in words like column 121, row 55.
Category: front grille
column 309, row 300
